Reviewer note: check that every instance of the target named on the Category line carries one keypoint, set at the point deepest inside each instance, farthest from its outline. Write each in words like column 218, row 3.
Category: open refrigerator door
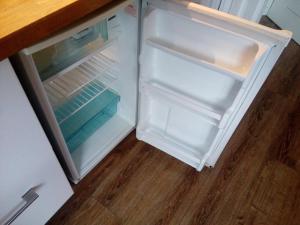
column 199, row 70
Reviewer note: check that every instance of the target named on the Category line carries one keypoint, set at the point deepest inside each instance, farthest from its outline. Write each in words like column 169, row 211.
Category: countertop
column 25, row 22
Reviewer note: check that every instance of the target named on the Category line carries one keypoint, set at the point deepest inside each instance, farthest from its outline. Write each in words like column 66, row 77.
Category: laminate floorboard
column 256, row 180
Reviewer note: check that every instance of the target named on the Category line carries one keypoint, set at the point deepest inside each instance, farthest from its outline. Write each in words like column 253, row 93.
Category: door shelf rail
column 162, row 92
column 192, row 57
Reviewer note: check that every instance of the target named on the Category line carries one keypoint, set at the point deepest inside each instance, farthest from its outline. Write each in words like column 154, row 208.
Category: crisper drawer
column 79, row 123
column 33, row 185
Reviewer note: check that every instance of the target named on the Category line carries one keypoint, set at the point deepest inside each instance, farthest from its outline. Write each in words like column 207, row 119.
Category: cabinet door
column 33, row 185
column 286, row 14
column 200, row 70
column 248, row 9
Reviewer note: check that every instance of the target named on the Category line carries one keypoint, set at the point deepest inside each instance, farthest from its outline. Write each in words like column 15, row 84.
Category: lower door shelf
column 176, row 129
column 157, row 90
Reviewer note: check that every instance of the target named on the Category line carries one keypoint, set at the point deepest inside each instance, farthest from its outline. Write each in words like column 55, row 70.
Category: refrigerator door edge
column 52, row 129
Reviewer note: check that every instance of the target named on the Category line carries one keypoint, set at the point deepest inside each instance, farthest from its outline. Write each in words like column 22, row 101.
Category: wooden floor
column 256, row 180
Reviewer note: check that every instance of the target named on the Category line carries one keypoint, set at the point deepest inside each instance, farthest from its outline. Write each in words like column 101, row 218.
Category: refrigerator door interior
column 197, row 66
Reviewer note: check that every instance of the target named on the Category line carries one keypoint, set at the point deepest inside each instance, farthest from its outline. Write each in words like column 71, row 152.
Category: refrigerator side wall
column 37, row 92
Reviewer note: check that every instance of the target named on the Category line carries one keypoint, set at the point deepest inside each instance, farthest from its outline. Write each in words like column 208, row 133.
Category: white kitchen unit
column 33, row 185
column 248, row 9
column 286, row 14
column 184, row 79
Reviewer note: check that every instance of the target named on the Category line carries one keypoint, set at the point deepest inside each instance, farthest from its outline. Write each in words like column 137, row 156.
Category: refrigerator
column 183, row 75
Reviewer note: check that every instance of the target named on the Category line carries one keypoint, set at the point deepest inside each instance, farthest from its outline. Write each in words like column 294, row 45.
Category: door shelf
column 210, row 46
column 209, row 113
column 184, row 129
column 194, row 57
column 190, row 79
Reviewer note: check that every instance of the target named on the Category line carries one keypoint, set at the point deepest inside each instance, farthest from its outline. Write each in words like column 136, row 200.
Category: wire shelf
column 84, row 97
column 63, row 86
column 70, row 92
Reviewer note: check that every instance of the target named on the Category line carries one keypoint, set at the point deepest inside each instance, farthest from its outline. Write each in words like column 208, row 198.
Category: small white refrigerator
column 181, row 74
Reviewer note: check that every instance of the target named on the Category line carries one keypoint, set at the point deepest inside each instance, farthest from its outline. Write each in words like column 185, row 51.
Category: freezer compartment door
column 197, row 67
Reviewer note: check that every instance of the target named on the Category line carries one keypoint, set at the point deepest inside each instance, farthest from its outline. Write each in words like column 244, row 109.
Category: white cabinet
column 248, row 9
column 33, row 185
column 286, row 14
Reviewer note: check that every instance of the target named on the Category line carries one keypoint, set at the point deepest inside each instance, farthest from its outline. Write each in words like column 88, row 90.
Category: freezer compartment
column 200, row 83
column 49, row 61
column 205, row 44
column 175, row 128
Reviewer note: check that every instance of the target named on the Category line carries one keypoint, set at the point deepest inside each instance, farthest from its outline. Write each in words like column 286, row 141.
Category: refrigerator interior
column 191, row 74
column 90, row 79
